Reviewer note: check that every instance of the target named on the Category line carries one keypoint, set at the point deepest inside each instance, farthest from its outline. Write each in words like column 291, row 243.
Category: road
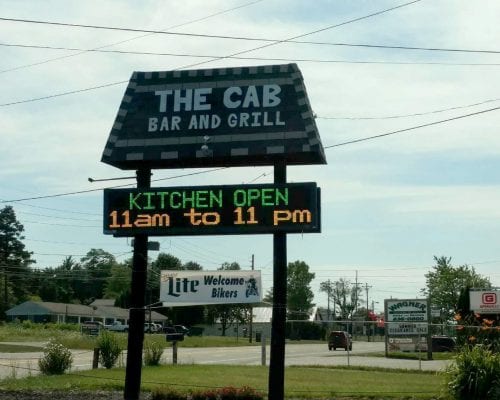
column 26, row 364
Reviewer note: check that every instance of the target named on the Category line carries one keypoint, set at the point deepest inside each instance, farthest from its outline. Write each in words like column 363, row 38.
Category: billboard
column 406, row 317
column 214, row 117
column 485, row 301
column 206, row 210
column 189, row 288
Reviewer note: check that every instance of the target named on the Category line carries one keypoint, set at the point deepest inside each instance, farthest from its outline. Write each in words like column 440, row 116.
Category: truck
column 117, row 326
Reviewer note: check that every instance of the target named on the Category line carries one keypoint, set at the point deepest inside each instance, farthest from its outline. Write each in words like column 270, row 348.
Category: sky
column 428, row 186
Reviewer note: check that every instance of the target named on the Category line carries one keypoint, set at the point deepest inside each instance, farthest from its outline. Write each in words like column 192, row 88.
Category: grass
column 300, row 382
column 409, row 355
column 70, row 336
column 18, row 348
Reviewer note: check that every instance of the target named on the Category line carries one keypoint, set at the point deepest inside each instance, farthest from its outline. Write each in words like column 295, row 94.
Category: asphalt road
column 26, row 364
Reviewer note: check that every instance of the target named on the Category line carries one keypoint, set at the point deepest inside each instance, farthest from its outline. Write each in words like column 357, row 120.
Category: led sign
column 206, row 210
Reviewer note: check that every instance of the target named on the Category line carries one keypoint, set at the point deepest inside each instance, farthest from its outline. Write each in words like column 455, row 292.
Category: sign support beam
column 277, row 357
column 137, row 303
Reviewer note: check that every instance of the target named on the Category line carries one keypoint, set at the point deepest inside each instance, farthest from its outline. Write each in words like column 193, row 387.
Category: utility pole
column 367, row 288
column 250, row 329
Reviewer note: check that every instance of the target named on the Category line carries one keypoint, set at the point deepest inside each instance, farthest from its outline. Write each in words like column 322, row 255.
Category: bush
column 152, row 353
column 226, row 393
column 475, row 374
column 109, row 349
column 56, row 359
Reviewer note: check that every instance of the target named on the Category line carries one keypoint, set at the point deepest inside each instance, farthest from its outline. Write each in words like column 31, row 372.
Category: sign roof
column 214, row 117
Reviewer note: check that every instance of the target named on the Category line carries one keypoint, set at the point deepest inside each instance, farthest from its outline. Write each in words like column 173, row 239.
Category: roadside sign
column 207, row 210
column 215, row 117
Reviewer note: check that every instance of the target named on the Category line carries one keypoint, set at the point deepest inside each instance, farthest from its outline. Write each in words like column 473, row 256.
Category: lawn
column 300, row 382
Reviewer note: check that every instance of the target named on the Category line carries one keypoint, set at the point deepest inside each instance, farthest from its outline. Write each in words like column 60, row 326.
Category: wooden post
column 276, row 384
column 137, row 302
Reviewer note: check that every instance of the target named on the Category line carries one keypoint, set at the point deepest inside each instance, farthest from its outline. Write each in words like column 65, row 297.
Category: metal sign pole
column 137, row 303
column 277, row 355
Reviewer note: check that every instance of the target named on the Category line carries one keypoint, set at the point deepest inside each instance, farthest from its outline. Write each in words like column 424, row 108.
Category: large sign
column 205, row 210
column 406, row 317
column 188, row 288
column 485, row 301
column 215, row 117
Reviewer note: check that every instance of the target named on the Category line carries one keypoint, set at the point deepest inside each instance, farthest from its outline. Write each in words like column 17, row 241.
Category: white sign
column 394, row 329
column 485, row 301
column 188, row 288
column 406, row 310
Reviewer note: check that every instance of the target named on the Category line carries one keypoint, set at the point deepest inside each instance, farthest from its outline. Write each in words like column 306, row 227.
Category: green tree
column 444, row 283
column 91, row 275
column 300, row 295
column 14, row 260
column 346, row 298
column 328, row 287
column 118, row 283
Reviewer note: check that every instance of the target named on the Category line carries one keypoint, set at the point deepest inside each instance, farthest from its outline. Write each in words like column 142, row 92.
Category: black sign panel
column 215, row 117
column 207, row 210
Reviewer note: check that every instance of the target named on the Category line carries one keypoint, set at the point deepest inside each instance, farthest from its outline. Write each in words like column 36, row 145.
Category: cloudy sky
column 389, row 204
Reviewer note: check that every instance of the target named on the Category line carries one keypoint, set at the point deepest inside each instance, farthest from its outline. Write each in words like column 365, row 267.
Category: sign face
column 485, row 301
column 189, row 288
column 406, row 317
column 208, row 210
column 395, row 329
column 215, row 117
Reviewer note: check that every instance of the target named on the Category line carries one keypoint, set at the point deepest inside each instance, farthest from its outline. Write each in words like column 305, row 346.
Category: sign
column 206, row 210
column 485, row 301
column 406, row 317
column 215, row 117
column 189, row 288
column 396, row 328
column 406, row 310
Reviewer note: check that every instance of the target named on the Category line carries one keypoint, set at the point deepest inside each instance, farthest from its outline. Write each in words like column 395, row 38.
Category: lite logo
column 489, row 298
column 177, row 286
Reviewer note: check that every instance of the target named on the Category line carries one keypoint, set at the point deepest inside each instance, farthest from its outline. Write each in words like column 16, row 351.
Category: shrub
column 152, row 353
column 475, row 374
column 56, row 359
column 167, row 394
column 226, row 393
column 109, row 349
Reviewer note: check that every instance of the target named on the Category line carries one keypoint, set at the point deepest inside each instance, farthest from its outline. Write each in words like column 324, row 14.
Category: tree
column 118, row 283
column 445, row 283
column 328, row 287
column 91, row 275
column 300, row 295
column 346, row 297
column 14, row 259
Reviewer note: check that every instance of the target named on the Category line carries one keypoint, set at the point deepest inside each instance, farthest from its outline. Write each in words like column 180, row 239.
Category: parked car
column 440, row 343
column 151, row 327
column 117, row 327
column 181, row 329
column 340, row 339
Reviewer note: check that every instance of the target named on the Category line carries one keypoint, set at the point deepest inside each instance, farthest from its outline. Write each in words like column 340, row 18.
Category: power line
column 165, row 31
column 409, row 129
column 306, row 34
column 273, row 43
column 192, row 55
column 414, row 114
column 109, row 187
column 83, row 51
column 217, row 169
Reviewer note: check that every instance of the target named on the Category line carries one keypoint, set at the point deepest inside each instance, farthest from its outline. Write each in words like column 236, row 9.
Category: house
column 101, row 310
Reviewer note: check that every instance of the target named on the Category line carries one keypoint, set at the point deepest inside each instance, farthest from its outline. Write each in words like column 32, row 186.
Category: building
column 101, row 310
